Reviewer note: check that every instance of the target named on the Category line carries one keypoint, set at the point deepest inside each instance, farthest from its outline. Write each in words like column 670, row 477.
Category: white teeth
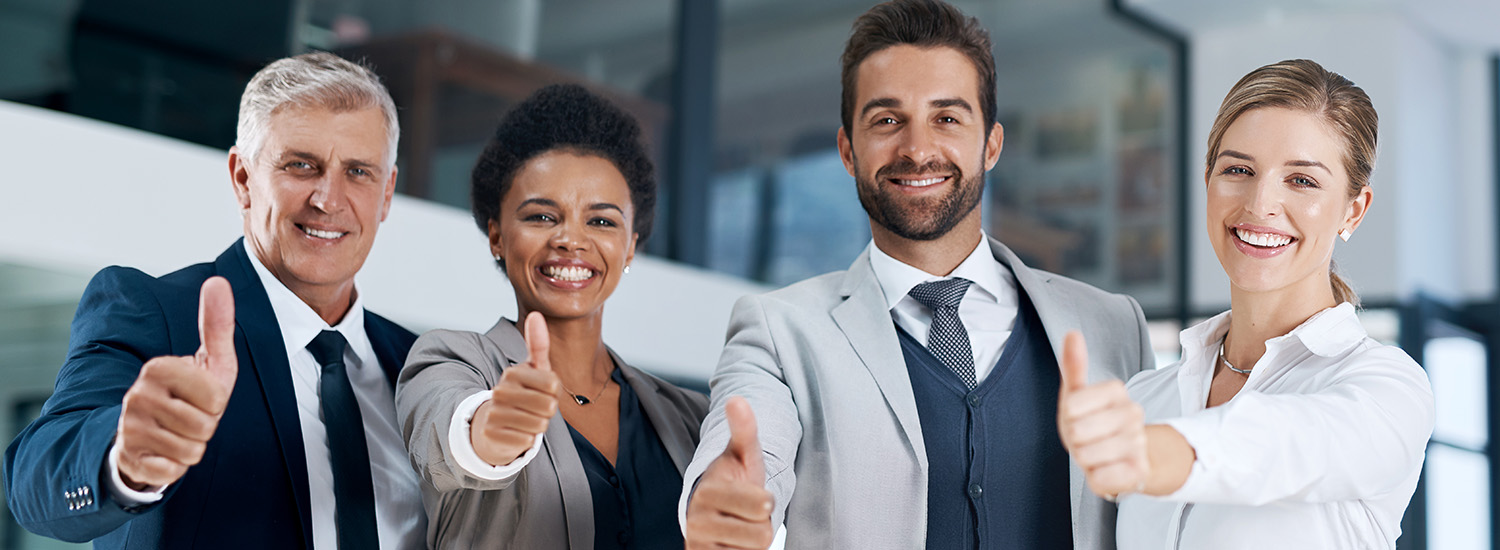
column 570, row 274
column 322, row 234
column 920, row 183
column 1269, row 240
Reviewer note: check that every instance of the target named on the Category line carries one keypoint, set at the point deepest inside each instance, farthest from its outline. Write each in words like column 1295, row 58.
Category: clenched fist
column 173, row 408
column 731, row 508
column 520, row 405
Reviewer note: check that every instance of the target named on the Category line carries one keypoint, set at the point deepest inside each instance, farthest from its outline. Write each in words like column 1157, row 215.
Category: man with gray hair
column 245, row 402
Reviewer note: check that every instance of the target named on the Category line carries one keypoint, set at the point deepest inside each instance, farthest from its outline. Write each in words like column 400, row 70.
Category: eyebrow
column 1299, row 163
column 549, row 202
column 304, row 155
column 945, row 103
column 952, row 102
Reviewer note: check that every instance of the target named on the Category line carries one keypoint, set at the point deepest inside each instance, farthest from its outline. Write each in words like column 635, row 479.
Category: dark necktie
column 353, row 495
column 947, row 339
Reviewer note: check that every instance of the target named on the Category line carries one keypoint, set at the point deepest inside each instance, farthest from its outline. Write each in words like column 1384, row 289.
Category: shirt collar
column 299, row 323
column 897, row 278
column 1328, row 333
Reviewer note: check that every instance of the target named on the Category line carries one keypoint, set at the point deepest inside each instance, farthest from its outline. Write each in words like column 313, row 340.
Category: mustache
column 907, row 167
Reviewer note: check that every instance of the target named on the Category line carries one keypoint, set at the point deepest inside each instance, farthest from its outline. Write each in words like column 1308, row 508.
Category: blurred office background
column 115, row 116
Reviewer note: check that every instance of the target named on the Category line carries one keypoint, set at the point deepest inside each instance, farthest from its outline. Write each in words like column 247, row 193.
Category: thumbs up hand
column 521, row 404
column 173, row 408
column 1102, row 429
column 730, row 507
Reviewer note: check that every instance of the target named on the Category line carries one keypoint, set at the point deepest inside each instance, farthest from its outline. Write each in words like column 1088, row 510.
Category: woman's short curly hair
column 564, row 117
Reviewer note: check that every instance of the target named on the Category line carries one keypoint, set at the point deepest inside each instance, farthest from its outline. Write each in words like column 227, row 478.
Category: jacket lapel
column 866, row 322
column 263, row 355
column 673, row 433
column 391, row 342
column 572, row 481
column 1057, row 320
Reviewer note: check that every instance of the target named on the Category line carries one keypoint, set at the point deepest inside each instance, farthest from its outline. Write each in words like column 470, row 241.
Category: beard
column 919, row 219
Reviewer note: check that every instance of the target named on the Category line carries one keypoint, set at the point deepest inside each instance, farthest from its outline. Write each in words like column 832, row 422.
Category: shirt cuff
column 126, row 496
column 463, row 448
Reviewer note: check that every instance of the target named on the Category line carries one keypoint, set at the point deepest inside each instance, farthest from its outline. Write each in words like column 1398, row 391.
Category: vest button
column 975, row 490
column 973, row 400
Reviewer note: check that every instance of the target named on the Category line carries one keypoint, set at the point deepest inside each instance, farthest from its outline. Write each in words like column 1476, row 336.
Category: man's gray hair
column 317, row 79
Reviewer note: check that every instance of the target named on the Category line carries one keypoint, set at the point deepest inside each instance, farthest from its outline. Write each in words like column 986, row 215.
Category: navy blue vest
column 997, row 473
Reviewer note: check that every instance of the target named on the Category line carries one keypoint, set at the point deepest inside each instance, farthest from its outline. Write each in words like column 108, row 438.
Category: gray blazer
column 820, row 363
column 548, row 504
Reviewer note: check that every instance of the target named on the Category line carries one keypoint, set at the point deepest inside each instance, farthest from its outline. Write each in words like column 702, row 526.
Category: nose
column 917, row 143
column 1263, row 198
column 569, row 235
column 328, row 193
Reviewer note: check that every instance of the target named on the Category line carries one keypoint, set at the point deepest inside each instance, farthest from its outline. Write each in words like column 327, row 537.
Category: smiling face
column 313, row 198
column 917, row 147
column 564, row 231
column 1278, row 195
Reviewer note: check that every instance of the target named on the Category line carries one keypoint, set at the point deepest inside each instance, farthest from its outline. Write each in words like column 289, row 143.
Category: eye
column 299, row 166
column 1303, row 181
column 1237, row 170
column 603, row 222
column 947, row 120
column 359, row 172
column 540, row 218
column 885, row 121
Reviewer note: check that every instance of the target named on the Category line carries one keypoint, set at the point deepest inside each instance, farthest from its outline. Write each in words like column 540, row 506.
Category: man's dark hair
column 925, row 24
column 564, row 117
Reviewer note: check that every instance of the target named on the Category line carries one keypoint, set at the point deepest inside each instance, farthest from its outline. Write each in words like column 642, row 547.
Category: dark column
column 690, row 152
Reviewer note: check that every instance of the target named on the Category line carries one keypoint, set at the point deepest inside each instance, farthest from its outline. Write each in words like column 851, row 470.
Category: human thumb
column 1075, row 362
column 744, row 443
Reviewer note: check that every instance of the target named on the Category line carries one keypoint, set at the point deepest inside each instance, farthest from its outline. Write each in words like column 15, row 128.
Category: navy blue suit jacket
column 250, row 490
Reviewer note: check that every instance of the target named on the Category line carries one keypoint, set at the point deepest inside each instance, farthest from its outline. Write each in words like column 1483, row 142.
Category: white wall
column 1431, row 226
column 77, row 195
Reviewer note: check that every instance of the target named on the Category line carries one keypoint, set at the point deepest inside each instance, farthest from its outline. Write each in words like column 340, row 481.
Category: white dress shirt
column 1322, row 447
column 399, row 518
column 988, row 309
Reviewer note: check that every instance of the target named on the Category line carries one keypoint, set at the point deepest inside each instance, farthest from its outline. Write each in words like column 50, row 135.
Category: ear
column 993, row 145
column 846, row 151
column 630, row 252
column 390, row 192
column 497, row 244
column 239, row 176
column 1358, row 207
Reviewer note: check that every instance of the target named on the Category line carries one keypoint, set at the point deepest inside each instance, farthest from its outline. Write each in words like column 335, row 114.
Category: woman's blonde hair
column 1302, row 85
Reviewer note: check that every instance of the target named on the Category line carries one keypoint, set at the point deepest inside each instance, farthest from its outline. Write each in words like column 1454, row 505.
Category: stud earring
column 1345, row 234
column 625, row 271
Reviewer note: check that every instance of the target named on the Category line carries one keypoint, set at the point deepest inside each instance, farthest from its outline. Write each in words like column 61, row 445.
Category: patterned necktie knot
column 946, row 338
column 946, row 293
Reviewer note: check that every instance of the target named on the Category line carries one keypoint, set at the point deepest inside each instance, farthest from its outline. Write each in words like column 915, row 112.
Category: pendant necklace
column 1245, row 372
column 581, row 400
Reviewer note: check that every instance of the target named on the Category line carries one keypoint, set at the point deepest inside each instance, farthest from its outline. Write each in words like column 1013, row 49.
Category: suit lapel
column 572, row 481
column 866, row 322
column 263, row 355
column 664, row 419
column 391, row 343
column 1057, row 320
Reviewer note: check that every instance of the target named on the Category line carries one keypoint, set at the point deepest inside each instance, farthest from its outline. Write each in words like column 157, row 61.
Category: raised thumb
column 538, row 343
column 216, row 329
column 744, row 443
column 1075, row 362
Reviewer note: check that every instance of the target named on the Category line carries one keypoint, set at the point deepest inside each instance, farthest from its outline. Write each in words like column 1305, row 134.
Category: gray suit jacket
column 820, row 363
column 547, row 505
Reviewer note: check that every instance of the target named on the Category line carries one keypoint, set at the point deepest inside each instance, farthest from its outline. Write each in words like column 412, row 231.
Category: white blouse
column 1321, row 449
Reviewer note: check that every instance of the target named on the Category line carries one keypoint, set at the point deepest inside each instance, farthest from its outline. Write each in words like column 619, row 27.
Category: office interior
column 115, row 117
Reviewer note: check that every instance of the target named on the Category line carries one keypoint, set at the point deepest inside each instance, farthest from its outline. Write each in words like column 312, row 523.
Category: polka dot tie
column 947, row 339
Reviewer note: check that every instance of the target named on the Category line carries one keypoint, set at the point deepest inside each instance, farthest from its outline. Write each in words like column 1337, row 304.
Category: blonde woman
column 1284, row 425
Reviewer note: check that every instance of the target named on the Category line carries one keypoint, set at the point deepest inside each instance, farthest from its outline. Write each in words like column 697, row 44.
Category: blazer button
column 975, row 491
column 973, row 400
